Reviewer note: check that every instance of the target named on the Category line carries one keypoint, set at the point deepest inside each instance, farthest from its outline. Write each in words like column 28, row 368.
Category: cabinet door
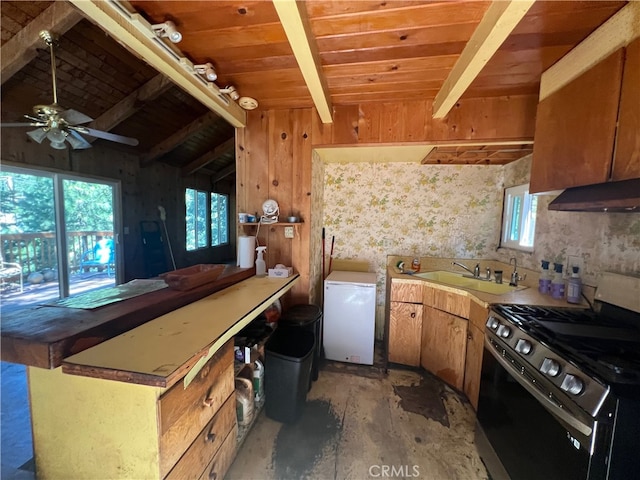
column 626, row 162
column 473, row 366
column 405, row 332
column 444, row 343
column 575, row 129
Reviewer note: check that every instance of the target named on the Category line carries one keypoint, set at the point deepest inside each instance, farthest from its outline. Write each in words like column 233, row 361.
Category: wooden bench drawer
column 206, row 445
column 217, row 468
column 183, row 413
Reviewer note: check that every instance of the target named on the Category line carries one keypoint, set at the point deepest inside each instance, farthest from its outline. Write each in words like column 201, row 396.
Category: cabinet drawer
column 452, row 303
column 183, row 413
column 217, row 468
column 406, row 292
column 205, row 446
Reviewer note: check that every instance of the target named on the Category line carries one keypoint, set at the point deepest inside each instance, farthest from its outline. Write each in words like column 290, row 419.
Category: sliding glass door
column 61, row 230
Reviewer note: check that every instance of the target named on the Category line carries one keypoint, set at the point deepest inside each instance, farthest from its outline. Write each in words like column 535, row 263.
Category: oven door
column 528, row 441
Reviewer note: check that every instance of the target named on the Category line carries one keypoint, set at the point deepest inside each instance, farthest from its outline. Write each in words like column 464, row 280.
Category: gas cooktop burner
column 609, row 349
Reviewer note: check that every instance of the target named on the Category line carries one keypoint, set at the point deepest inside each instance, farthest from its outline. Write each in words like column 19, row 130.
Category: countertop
column 46, row 334
column 176, row 345
column 527, row 296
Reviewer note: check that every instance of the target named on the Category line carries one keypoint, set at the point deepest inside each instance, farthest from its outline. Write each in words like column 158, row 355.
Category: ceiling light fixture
column 167, row 30
column 231, row 91
column 206, row 70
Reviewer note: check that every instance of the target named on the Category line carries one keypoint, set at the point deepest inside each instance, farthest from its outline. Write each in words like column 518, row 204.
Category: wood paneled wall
column 274, row 153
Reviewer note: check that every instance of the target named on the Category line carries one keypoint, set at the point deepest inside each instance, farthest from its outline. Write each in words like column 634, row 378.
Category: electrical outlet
column 573, row 261
column 288, row 232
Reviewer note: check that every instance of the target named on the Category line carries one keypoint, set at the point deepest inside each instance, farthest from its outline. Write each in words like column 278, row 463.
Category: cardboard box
column 281, row 272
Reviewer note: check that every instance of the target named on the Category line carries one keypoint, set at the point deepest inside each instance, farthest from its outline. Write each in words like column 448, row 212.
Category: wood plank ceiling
column 368, row 51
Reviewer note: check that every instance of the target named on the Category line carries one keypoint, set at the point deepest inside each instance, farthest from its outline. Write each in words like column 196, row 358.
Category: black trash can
column 307, row 317
column 287, row 373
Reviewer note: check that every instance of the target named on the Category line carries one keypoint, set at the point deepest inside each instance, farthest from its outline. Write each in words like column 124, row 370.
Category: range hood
column 621, row 196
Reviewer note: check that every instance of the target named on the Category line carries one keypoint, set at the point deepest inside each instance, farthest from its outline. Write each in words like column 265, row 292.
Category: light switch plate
column 288, row 232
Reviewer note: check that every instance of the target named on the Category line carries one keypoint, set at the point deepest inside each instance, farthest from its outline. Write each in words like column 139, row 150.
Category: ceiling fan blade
column 77, row 141
column 31, row 124
column 107, row 136
column 73, row 117
column 38, row 134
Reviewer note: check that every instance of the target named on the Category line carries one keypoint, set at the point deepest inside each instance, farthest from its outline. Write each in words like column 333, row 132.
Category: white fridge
column 349, row 316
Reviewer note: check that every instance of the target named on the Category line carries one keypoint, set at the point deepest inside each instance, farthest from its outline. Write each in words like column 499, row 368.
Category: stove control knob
column 503, row 331
column 550, row 367
column 492, row 323
column 572, row 384
column 523, row 346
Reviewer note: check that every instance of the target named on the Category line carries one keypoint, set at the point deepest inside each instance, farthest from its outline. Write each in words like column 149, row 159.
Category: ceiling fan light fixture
column 207, row 70
column 56, row 135
column 167, row 30
column 58, row 145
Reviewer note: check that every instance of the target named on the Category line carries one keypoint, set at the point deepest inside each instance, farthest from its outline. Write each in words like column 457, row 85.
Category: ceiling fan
column 57, row 124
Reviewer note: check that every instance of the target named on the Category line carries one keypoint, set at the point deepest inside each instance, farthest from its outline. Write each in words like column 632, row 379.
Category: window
column 202, row 209
column 519, row 218
column 219, row 219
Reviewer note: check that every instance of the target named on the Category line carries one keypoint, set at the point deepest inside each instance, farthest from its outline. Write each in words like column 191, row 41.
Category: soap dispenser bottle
column 261, row 266
column 557, row 284
column 544, row 284
column 574, row 286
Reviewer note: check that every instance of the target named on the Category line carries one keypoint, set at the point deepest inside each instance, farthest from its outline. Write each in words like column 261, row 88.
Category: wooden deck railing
column 37, row 251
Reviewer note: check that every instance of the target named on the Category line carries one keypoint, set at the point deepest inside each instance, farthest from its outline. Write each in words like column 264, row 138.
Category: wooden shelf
column 277, row 224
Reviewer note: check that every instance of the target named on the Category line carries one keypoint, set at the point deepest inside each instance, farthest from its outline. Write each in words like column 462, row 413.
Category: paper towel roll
column 246, row 251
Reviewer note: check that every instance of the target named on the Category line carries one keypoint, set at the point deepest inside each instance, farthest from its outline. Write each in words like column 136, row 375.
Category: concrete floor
column 361, row 424
column 357, row 423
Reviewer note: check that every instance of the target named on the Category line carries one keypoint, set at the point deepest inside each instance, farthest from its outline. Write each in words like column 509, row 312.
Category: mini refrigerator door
column 349, row 316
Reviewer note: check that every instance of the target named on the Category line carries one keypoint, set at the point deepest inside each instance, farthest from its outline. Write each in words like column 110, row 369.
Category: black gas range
column 560, row 393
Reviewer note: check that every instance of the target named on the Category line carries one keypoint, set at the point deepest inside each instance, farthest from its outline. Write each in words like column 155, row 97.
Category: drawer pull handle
column 211, row 437
column 413, row 314
column 213, row 475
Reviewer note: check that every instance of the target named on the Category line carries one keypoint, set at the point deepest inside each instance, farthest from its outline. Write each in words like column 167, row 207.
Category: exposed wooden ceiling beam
column 21, row 48
column 176, row 139
column 615, row 33
column 134, row 33
column 131, row 103
column 498, row 22
column 293, row 16
column 224, row 173
column 208, row 157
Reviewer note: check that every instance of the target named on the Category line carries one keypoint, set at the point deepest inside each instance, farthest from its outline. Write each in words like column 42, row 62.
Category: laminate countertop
column 526, row 296
column 176, row 345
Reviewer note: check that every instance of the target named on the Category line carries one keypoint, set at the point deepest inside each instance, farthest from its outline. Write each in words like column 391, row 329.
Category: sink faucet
column 514, row 274
column 475, row 272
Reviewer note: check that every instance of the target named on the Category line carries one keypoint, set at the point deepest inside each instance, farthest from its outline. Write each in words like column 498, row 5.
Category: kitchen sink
column 459, row 280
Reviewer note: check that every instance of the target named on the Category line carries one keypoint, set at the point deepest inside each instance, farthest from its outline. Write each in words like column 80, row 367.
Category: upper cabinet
column 626, row 163
column 575, row 139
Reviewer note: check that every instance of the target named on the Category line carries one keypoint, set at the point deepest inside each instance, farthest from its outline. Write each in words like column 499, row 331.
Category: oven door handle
column 543, row 399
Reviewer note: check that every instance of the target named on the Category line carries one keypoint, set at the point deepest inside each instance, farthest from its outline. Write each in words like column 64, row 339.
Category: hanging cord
column 163, row 217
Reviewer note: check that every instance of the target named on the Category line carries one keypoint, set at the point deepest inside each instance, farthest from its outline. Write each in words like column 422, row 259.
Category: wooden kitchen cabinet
column 444, row 341
column 143, row 431
column 404, row 322
column 576, row 128
column 626, row 162
column 405, row 333
column 475, row 348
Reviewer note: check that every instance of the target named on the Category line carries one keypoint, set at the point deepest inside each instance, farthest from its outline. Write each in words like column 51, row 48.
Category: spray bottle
column 574, row 286
column 557, row 284
column 261, row 266
column 544, row 284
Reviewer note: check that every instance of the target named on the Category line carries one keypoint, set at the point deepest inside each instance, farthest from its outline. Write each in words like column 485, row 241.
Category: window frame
column 225, row 240
column 513, row 195
column 203, row 226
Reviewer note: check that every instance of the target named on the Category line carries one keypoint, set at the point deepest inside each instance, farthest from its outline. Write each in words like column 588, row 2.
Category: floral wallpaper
column 379, row 209
column 601, row 241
